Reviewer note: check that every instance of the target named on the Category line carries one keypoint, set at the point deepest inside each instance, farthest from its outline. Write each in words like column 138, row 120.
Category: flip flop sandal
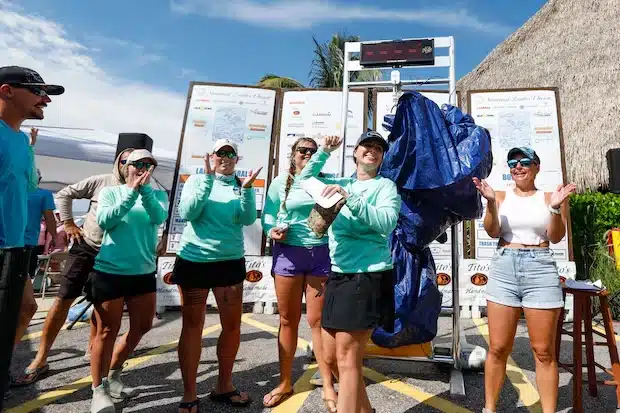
column 330, row 405
column 227, row 398
column 31, row 376
column 190, row 405
column 280, row 398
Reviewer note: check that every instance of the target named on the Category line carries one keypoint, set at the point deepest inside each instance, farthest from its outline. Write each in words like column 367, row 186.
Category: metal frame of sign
column 273, row 142
column 556, row 92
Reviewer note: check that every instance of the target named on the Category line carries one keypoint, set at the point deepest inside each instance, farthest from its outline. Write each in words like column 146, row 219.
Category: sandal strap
column 189, row 405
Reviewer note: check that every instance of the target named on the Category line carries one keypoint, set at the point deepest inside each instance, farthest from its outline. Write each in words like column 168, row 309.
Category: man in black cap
column 23, row 95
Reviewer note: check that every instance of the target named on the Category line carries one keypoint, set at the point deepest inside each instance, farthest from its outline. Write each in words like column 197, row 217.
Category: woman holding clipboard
column 359, row 293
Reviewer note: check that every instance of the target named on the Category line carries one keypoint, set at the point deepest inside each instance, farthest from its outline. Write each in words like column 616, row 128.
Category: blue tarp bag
column 433, row 155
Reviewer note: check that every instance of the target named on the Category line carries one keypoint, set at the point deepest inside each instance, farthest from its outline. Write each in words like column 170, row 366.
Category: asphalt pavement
column 394, row 386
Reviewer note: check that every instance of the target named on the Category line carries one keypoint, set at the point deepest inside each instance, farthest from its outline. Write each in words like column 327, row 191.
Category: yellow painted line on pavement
column 415, row 393
column 53, row 395
column 38, row 334
column 602, row 331
column 525, row 389
column 305, row 388
column 302, row 386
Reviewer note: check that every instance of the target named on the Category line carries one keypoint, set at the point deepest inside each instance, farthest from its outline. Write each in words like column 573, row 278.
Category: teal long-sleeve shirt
column 295, row 214
column 216, row 209
column 358, row 237
column 129, row 219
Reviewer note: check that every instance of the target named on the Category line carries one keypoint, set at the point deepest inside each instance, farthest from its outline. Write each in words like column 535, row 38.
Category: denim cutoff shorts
column 526, row 277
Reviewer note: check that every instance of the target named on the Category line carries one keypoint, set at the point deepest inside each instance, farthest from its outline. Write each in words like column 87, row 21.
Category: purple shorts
column 289, row 260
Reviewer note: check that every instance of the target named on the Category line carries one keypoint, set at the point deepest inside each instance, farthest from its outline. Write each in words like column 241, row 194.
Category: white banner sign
column 260, row 288
column 520, row 118
column 316, row 114
column 241, row 114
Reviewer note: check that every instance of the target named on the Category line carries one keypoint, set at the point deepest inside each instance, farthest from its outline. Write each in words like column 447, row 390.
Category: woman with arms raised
column 216, row 206
column 300, row 264
column 359, row 294
column 124, row 272
column 523, row 274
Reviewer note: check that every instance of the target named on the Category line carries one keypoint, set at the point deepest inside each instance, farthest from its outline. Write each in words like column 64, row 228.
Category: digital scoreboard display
column 419, row 52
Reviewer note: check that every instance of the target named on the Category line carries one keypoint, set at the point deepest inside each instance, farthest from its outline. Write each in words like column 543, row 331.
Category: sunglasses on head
column 226, row 154
column 36, row 90
column 142, row 164
column 525, row 162
column 305, row 151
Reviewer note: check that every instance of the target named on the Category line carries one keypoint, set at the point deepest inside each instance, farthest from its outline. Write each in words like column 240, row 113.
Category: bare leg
column 542, row 328
column 230, row 305
column 141, row 313
column 350, row 347
column 27, row 311
column 109, row 315
column 51, row 327
column 502, row 329
column 193, row 307
column 314, row 308
column 289, row 292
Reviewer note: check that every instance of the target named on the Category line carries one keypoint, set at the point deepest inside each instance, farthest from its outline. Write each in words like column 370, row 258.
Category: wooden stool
column 582, row 304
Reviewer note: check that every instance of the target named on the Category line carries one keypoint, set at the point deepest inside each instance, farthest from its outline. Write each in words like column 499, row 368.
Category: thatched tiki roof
column 573, row 45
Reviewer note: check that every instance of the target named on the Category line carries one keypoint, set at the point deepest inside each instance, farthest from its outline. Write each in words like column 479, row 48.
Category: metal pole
column 344, row 115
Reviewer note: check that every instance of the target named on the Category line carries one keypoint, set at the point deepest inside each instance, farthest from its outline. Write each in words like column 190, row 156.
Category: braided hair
column 293, row 168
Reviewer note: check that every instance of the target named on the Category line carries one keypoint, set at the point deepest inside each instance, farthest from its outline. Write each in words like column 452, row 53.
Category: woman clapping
column 216, row 206
column 124, row 272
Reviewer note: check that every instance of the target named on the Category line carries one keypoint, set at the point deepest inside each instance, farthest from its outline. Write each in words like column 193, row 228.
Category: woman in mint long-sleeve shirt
column 300, row 264
column 124, row 272
column 359, row 294
column 216, row 206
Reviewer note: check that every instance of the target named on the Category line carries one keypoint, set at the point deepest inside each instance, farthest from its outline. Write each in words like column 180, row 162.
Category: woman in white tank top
column 524, row 274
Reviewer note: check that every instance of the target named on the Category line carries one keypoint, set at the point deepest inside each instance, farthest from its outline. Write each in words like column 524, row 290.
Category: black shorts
column 207, row 275
column 79, row 264
column 35, row 251
column 102, row 286
column 360, row 301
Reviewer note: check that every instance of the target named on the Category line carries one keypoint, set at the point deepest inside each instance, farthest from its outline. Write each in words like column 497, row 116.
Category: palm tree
column 271, row 80
column 327, row 69
column 328, row 63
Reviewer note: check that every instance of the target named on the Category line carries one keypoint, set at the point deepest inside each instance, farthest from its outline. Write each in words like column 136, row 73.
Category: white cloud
column 302, row 14
column 94, row 98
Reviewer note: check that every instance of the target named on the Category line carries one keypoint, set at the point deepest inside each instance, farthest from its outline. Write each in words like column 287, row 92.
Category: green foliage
column 271, row 80
column 604, row 268
column 592, row 214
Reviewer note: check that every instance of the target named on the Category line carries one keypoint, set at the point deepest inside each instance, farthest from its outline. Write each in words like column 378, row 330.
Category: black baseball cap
column 525, row 151
column 372, row 136
column 22, row 76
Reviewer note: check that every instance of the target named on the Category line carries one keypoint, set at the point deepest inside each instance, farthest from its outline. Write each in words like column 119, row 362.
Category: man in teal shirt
column 23, row 95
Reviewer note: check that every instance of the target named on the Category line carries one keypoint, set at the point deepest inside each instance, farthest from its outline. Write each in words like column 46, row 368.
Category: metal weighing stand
column 417, row 59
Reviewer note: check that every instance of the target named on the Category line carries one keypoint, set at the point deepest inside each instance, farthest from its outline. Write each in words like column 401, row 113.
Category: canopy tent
column 65, row 156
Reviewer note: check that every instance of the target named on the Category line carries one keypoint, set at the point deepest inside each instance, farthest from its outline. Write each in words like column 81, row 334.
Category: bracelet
column 553, row 210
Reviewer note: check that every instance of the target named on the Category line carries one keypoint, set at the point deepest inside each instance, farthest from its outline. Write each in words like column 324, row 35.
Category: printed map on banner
column 241, row 114
column 519, row 118
column 316, row 114
column 385, row 106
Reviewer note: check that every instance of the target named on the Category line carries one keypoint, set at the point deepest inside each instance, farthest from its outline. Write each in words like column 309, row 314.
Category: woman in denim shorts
column 301, row 263
column 524, row 274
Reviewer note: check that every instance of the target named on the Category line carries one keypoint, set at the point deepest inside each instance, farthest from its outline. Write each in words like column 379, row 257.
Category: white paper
column 583, row 285
column 314, row 188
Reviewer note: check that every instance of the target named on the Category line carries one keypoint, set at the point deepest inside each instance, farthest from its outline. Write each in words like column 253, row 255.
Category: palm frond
column 275, row 81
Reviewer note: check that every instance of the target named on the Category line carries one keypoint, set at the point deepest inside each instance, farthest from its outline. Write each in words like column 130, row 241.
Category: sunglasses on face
column 142, row 164
column 35, row 90
column 525, row 162
column 226, row 154
column 306, row 151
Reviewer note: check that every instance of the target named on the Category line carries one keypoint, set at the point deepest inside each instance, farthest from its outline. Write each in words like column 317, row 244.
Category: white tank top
column 524, row 219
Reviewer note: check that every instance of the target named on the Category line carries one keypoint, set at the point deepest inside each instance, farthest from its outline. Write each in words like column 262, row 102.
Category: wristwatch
column 554, row 210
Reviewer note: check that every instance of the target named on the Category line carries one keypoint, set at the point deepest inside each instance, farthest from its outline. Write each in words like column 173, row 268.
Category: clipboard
column 314, row 187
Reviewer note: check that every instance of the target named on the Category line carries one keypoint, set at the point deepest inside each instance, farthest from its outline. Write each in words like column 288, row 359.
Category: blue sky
column 138, row 56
